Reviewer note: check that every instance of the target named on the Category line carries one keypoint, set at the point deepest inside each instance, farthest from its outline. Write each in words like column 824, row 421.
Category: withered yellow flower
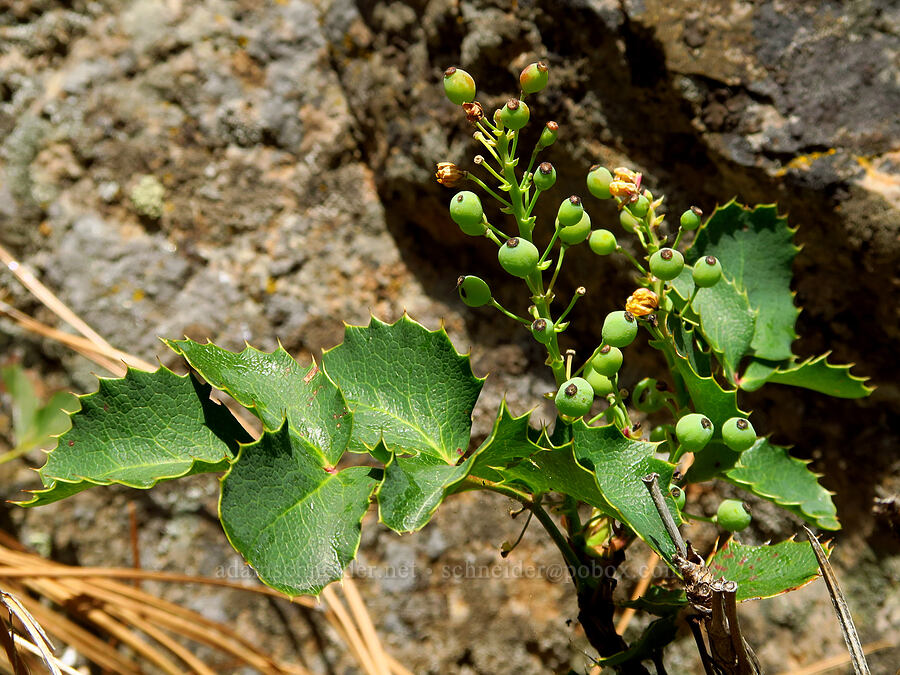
column 642, row 302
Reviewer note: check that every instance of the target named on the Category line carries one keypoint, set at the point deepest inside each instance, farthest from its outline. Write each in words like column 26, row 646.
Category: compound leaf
column 756, row 249
column 619, row 464
column 768, row 570
column 770, row 472
column 275, row 387
column 296, row 520
column 139, row 430
column 407, row 387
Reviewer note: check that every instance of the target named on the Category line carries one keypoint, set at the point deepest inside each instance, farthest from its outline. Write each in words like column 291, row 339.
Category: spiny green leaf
column 819, row 375
column 756, row 249
column 770, row 472
column 274, row 386
column 727, row 320
column 293, row 518
column 619, row 464
column 686, row 345
column 756, row 374
column 718, row 404
column 508, row 442
column 768, row 570
column 414, row 487
column 407, row 387
column 556, row 470
column 137, row 431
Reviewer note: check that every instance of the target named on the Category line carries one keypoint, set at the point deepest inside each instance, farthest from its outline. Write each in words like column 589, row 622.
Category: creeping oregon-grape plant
column 711, row 292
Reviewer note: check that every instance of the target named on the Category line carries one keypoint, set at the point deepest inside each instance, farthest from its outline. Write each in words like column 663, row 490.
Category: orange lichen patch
column 642, row 302
column 804, row 162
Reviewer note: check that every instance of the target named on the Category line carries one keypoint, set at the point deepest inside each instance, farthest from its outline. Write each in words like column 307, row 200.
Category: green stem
column 572, row 302
column 692, row 516
column 484, row 187
column 559, row 262
column 630, row 257
column 678, row 238
column 534, row 155
column 497, row 305
column 490, row 169
column 549, row 246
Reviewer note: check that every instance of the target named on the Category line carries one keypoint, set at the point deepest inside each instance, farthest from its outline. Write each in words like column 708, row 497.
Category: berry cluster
column 639, row 214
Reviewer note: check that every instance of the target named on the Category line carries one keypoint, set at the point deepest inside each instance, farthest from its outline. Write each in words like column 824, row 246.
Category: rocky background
column 262, row 169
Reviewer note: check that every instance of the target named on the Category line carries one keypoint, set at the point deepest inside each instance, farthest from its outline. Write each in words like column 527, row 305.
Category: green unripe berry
column 619, row 329
column 534, row 77
column 733, row 515
column 690, row 219
column 602, row 242
column 549, row 134
column 707, row 272
column 473, row 291
column 467, row 212
column 646, row 396
column 666, row 263
column 639, row 207
column 658, row 434
column 679, row 496
column 515, row 114
column 694, row 431
column 601, row 384
column 542, row 330
column 519, row 257
column 628, row 222
column 545, row 176
column 607, row 361
column 459, row 86
column 738, row 434
column 598, row 180
column 570, row 211
column 575, row 234
column 574, row 397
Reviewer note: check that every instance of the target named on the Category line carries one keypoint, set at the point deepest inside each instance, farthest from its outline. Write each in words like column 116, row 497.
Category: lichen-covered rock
column 292, row 146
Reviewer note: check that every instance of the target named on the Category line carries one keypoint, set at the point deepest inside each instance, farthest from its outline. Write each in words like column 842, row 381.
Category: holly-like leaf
column 414, row 487
column 819, row 375
column 770, row 472
column 756, row 249
column 686, row 345
column 619, row 464
column 556, row 470
column 757, row 373
column 275, row 387
column 765, row 571
column 295, row 519
column 718, row 404
column 727, row 320
column 137, row 431
column 407, row 387
column 509, row 442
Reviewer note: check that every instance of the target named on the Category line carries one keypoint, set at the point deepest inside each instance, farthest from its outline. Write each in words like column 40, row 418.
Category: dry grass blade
column 38, row 637
column 841, row 608
column 364, row 621
column 348, row 628
column 34, row 649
